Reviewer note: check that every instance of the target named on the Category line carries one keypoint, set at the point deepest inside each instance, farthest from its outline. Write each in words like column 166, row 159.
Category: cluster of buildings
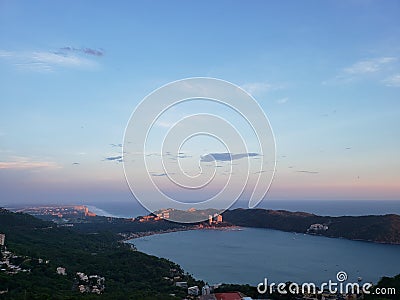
column 195, row 290
column 90, row 283
column 9, row 265
column 216, row 219
column 9, row 262
column 61, row 271
column 164, row 214
column 159, row 215
column 317, row 227
column 85, row 283
column 2, row 239
column 207, row 293
column 148, row 218
column 59, row 211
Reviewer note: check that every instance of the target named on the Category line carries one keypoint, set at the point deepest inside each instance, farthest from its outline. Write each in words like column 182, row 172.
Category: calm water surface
column 248, row 255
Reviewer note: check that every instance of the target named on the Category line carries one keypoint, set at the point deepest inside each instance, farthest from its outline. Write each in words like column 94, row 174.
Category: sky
column 326, row 75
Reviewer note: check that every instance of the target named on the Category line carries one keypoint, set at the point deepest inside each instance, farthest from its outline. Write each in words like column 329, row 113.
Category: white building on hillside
column 61, row 271
column 2, row 239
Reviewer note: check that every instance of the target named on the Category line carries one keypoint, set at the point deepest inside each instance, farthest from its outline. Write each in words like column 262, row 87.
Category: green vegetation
column 93, row 246
column 121, row 225
column 382, row 229
column 129, row 274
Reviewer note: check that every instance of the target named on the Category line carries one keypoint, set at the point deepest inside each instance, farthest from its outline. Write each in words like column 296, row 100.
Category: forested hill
column 382, row 229
column 128, row 274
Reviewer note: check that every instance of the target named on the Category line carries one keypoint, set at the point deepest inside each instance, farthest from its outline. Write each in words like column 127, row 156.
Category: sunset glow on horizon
column 327, row 76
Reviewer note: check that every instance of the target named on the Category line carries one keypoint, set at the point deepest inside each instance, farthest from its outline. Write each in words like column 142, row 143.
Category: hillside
column 382, row 229
column 128, row 274
column 376, row 228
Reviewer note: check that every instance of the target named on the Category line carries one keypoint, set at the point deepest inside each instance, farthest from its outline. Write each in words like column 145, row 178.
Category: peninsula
column 371, row 228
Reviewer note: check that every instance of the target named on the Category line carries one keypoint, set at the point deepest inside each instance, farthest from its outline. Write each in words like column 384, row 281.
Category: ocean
column 131, row 209
column 324, row 207
column 249, row 255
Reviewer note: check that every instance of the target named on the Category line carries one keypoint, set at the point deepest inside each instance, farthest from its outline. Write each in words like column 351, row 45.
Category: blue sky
column 325, row 73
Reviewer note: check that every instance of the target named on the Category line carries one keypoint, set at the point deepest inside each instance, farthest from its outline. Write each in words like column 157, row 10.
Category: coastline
column 133, row 236
column 100, row 211
column 235, row 221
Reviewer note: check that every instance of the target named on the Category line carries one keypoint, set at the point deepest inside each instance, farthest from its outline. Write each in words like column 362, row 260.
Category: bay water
column 248, row 255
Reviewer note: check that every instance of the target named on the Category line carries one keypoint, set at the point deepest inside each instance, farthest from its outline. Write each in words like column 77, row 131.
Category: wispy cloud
column 6, row 54
column 374, row 68
column 282, row 100
column 255, row 88
column 369, row 66
column 182, row 155
column 46, row 61
column 176, row 156
column 225, row 156
column 55, row 59
column 153, row 154
column 26, row 163
column 392, row 81
column 307, row 172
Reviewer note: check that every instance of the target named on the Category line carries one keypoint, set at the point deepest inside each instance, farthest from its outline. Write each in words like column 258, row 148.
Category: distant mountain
column 187, row 216
column 382, row 229
column 374, row 228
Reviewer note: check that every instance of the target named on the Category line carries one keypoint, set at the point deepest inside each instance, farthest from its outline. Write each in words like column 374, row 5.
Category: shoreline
column 136, row 235
column 132, row 236
column 90, row 210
